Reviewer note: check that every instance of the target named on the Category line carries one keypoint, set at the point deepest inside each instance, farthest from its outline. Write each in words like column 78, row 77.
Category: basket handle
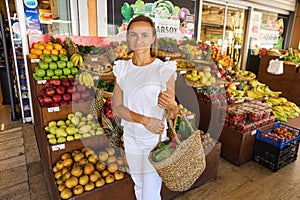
column 172, row 126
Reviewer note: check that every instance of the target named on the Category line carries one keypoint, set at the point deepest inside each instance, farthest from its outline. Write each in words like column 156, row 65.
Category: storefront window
column 225, row 39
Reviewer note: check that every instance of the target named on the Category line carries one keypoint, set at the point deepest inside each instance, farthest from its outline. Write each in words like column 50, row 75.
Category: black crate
column 273, row 157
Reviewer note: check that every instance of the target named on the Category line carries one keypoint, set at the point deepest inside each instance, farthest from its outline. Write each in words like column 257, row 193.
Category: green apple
column 77, row 136
column 74, row 71
column 63, row 57
column 50, row 72
column 70, row 76
column 52, row 65
column 61, row 64
column 58, row 72
column 49, row 136
column 52, row 141
column 62, row 76
column 70, row 116
column 66, row 71
column 70, row 64
column 54, row 57
column 47, row 129
column 60, row 123
column 47, row 78
column 43, row 65
column 48, row 59
column 55, row 77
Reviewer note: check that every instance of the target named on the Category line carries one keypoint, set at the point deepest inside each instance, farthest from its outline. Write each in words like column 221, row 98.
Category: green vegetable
column 127, row 12
column 163, row 9
column 137, row 7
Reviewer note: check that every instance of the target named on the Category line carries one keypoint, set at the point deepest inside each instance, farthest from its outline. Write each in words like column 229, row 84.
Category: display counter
column 288, row 82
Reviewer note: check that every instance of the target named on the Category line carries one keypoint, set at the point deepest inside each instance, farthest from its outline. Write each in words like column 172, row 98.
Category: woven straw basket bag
column 185, row 165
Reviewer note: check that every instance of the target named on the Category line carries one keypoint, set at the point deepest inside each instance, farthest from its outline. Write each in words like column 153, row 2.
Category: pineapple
column 97, row 104
column 72, row 47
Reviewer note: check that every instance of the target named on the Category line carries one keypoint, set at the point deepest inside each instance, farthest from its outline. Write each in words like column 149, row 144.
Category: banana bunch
column 260, row 90
column 77, row 60
column 86, row 79
column 283, row 109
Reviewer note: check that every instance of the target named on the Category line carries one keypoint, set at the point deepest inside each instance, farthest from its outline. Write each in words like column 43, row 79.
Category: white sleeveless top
column 141, row 86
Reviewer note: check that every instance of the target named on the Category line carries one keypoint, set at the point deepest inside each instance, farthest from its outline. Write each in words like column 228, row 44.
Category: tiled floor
column 22, row 177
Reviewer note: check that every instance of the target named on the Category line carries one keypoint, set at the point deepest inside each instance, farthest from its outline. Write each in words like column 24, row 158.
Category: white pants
column 147, row 181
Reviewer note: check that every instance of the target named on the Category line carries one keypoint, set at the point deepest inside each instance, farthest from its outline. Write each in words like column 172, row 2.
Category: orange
column 49, row 43
column 32, row 50
column 55, row 52
column 35, row 45
column 57, row 46
column 31, row 56
column 38, row 52
column 41, row 47
column 63, row 51
column 47, row 51
column 49, row 47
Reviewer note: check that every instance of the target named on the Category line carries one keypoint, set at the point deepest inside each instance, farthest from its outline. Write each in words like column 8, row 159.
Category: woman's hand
column 153, row 125
column 165, row 101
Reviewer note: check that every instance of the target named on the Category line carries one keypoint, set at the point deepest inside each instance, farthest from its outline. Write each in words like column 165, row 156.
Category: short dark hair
column 143, row 18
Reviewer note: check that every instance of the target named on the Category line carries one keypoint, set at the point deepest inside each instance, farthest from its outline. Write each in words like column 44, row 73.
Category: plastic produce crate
column 280, row 143
column 273, row 157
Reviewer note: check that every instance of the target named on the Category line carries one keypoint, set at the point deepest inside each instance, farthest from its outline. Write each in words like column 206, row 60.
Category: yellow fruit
column 47, row 51
column 49, row 47
column 57, row 46
column 35, row 45
column 63, row 51
column 32, row 50
column 38, row 52
column 42, row 42
column 32, row 56
column 41, row 47
column 49, row 43
column 55, row 52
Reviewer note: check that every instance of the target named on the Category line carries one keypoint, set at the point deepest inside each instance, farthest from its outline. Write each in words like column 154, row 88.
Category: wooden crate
column 238, row 147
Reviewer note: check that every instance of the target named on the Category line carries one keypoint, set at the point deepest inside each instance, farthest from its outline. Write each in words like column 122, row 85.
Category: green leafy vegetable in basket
column 162, row 152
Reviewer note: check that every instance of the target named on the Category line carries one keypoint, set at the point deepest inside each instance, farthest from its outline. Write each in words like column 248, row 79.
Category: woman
column 143, row 92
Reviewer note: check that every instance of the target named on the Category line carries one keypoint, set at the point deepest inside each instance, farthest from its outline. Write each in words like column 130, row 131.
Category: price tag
column 94, row 59
column 253, row 132
column 53, row 109
column 58, row 147
column 182, row 72
column 41, row 82
column 34, row 60
column 96, row 78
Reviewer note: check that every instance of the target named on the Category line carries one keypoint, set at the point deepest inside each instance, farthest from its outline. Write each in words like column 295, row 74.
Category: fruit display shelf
column 122, row 189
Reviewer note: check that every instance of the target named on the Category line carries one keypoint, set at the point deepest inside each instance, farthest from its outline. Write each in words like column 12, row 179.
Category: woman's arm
column 166, row 99
column 152, row 124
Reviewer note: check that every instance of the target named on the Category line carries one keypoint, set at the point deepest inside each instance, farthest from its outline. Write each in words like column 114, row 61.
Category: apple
column 66, row 97
column 71, row 89
column 47, row 100
column 55, row 82
column 54, row 104
column 63, row 103
column 85, row 94
column 61, row 89
column 57, row 98
column 76, row 96
column 81, row 88
column 65, row 83
column 50, row 92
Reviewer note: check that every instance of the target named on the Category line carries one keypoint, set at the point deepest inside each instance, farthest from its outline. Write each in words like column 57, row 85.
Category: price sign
column 269, row 37
column 41, row 82
column 34, row 60
column 53, row 109
column 58, row 147
column 94, row 59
